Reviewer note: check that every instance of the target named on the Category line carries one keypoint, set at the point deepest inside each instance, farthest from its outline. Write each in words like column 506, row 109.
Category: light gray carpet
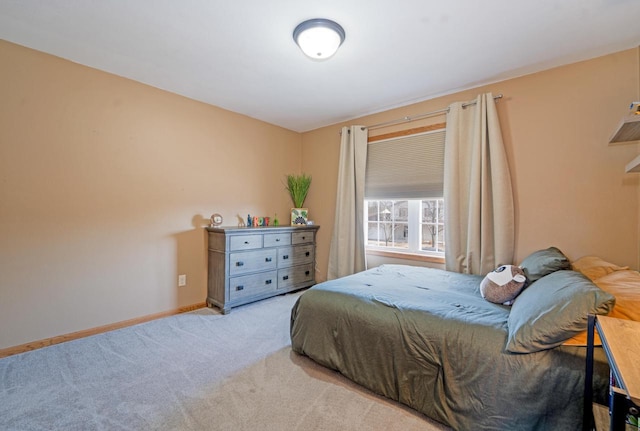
column 194, row 371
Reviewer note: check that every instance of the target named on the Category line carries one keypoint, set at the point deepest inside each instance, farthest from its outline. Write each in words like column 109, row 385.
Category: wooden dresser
column 249, row 264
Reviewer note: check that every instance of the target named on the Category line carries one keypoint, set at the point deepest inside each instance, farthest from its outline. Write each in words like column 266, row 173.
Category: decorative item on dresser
column 216, row 220
column 298, row 188
column 247, row 265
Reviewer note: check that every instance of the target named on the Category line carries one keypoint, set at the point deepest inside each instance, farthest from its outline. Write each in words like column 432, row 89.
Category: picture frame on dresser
column 251, row 264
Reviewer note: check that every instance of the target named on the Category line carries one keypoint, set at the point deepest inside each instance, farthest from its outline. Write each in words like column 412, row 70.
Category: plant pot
column 299, row 216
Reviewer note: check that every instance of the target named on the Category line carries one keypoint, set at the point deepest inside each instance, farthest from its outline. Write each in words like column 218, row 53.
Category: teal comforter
column 426, row 338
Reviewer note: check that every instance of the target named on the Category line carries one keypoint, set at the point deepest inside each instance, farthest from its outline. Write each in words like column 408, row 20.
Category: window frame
column 415, row 223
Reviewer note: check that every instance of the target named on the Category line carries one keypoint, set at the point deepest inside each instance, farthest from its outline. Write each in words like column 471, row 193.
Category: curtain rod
column 421, row 116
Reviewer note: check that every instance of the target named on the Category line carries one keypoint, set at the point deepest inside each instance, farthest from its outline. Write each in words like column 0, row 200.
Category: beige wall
column 570, row 187
column 105, row 183
column 104, row 187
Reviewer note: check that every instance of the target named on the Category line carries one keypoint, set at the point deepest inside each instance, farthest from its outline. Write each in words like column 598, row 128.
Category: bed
column 426, row 338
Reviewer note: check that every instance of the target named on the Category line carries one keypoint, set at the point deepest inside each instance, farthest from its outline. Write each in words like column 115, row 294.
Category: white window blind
column 406, row 167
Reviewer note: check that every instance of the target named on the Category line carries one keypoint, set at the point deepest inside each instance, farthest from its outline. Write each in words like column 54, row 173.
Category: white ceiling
column 240, row 55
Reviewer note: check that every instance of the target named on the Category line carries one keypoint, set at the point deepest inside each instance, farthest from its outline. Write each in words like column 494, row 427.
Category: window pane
column 432, row 237
column 429, row 211
column 386, row 234
column 401, row 235
column 372, row 210
column 432, row 225
column 401, row 211
column 372, row 233
column 385, row 211
column 429, row 237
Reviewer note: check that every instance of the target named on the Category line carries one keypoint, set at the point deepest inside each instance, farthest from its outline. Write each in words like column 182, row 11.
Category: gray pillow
column 554, row 309
column 544, row 262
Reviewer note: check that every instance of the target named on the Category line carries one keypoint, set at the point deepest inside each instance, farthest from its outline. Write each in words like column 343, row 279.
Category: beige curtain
column 346, row 255
column 479, row 212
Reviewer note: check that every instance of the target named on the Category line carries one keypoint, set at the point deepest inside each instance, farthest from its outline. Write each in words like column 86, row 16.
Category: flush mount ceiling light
column 319, row 38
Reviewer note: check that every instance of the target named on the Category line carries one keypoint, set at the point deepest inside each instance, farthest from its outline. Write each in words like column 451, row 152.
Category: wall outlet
column 182, row 280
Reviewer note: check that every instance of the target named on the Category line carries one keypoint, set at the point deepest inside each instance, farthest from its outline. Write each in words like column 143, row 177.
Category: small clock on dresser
column 216, row 220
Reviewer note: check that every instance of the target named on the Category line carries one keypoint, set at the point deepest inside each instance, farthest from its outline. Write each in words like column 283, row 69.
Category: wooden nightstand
column 621, row 343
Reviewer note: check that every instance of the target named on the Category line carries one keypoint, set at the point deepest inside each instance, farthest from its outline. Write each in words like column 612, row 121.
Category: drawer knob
column 267, row 259
column 277, row 239
column 304, row 237
column 285, row 257
column 239, row 287
column 239, row 263
column 306, row 273
column 307, row 253
column 286, row 277
column 267, row 282
column 246, row 242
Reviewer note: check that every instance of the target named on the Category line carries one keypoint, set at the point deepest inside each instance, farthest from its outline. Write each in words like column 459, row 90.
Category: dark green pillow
column 554, row 309
column 544, row 262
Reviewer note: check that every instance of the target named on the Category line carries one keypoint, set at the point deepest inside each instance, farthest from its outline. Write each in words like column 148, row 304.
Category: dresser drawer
column 251, row 261
column 290, row 256
column 303, row 237
column 245, row 242
column 277, row 239
column 252, row 285
column 295, row 275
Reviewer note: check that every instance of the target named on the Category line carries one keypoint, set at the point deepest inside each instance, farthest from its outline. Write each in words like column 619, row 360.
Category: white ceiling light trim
column 319, row 38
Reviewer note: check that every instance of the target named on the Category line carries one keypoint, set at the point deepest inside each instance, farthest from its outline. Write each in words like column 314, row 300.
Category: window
column 412, row 226
column 432, row 225
column 403, row 194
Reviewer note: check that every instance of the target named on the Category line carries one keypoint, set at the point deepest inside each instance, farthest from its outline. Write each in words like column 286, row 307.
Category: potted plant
column 298, row 187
